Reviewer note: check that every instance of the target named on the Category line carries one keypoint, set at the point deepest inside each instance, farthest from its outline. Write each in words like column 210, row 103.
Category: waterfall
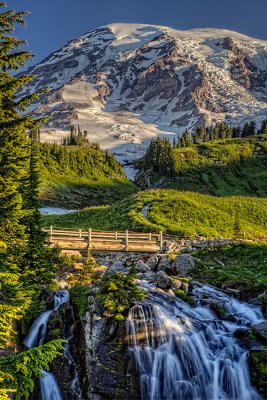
column 37, row 331
column 49, row 387
column 75, row 388
column 186, row 353
column 36, row 336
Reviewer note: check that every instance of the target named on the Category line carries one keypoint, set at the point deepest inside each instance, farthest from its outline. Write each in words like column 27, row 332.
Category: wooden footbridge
column 92, row 240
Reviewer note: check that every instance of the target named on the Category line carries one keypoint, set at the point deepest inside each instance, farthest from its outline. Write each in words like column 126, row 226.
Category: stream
column 188, row 353
column 36, row 336
column 181, row 352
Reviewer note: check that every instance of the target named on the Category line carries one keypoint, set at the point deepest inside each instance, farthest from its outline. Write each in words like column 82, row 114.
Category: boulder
column 150, row 276
column 152, row 262
column 261, row 330
column 176, row 283
column 117, row 267
column 165, row 265
column 163, row 280
column 248, row 339
column 255, row 302
column 231, row 291
column 142, row 267
column 183, row 264
column 185, row 286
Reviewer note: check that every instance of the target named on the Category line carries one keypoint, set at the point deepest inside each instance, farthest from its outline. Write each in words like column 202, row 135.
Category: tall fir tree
column 263, row 128
column 15, row 207
column 39, row 261
column 14, row 143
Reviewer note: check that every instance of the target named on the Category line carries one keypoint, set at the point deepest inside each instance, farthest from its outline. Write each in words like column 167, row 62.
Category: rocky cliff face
column 127, row 83
column 97, row 353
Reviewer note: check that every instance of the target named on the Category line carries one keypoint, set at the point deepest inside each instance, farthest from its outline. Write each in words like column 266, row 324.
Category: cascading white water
column 36, row 336
column 49, row 387
column 75, row 388
column 186, row 353
column 37, row 331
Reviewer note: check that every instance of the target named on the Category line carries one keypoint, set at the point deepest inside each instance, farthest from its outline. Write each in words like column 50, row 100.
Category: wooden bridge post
column 161, row 240
column 80, row 233
column 126, row 239
column 89, row 237
column 150, row 237
column 51, row 234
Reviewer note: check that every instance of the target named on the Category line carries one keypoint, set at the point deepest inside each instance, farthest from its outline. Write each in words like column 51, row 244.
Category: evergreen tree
column 237, row 131
column 185, row 140
column 198, row 135
column 16, row 206
column 39, row 261
column 14, row 144
column 263, row 128
column 246, row 131
column 159, row 157
column 34, row 135
column 252, row 128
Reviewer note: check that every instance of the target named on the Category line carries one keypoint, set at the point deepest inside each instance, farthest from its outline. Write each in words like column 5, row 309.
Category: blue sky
column 53, row 22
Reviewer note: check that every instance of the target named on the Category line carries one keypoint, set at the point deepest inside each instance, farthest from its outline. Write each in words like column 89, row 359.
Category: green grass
column 76, row 177
column 222, row 167
column 78, row 192
column 183, row 213
column 245, row 267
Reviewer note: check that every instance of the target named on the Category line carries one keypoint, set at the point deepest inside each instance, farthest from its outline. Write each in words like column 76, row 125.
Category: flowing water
column 49, row 387
column 188, row 353
column 36, row 336
column 75, row 388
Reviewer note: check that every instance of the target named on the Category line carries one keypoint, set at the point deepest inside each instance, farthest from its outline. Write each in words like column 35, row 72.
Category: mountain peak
column 125, row 83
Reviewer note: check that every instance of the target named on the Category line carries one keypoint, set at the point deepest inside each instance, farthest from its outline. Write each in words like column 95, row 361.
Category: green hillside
column 218, row 167
column 184, row 213
column 80, row 176
column 242, row 266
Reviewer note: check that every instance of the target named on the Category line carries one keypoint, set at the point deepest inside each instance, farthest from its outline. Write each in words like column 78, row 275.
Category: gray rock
column 171, row 292
column 234, row 292
column 183, row 264
column 152, row 262
column 261, row 329
column 150, row 276
column 117, row 267
column 256, row 302
column 142, row 267
column 176, row 283
column 163, row 280
column 185, row 286
column 165, row 265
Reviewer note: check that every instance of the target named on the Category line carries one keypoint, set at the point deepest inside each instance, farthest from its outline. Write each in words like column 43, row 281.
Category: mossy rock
column 185, row 297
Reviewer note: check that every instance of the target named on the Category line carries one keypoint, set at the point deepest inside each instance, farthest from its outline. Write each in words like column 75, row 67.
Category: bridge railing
column 123, row 237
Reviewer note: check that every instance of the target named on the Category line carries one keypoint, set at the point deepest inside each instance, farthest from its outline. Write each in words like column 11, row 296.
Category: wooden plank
column 89, row 237
column 64, row 239
column 98, row 233
column 51, row 234
column 76, row 234
column 126, row 239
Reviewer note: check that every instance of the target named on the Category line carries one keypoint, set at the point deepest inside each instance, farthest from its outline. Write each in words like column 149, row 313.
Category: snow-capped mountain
column 124, row 83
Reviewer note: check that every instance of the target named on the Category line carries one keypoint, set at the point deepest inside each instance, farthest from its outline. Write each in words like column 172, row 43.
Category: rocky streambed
column 180, row 328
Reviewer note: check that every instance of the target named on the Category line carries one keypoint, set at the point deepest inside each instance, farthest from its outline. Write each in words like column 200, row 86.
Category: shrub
column 118, row 292
column 185, row 297
column 79, row 298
